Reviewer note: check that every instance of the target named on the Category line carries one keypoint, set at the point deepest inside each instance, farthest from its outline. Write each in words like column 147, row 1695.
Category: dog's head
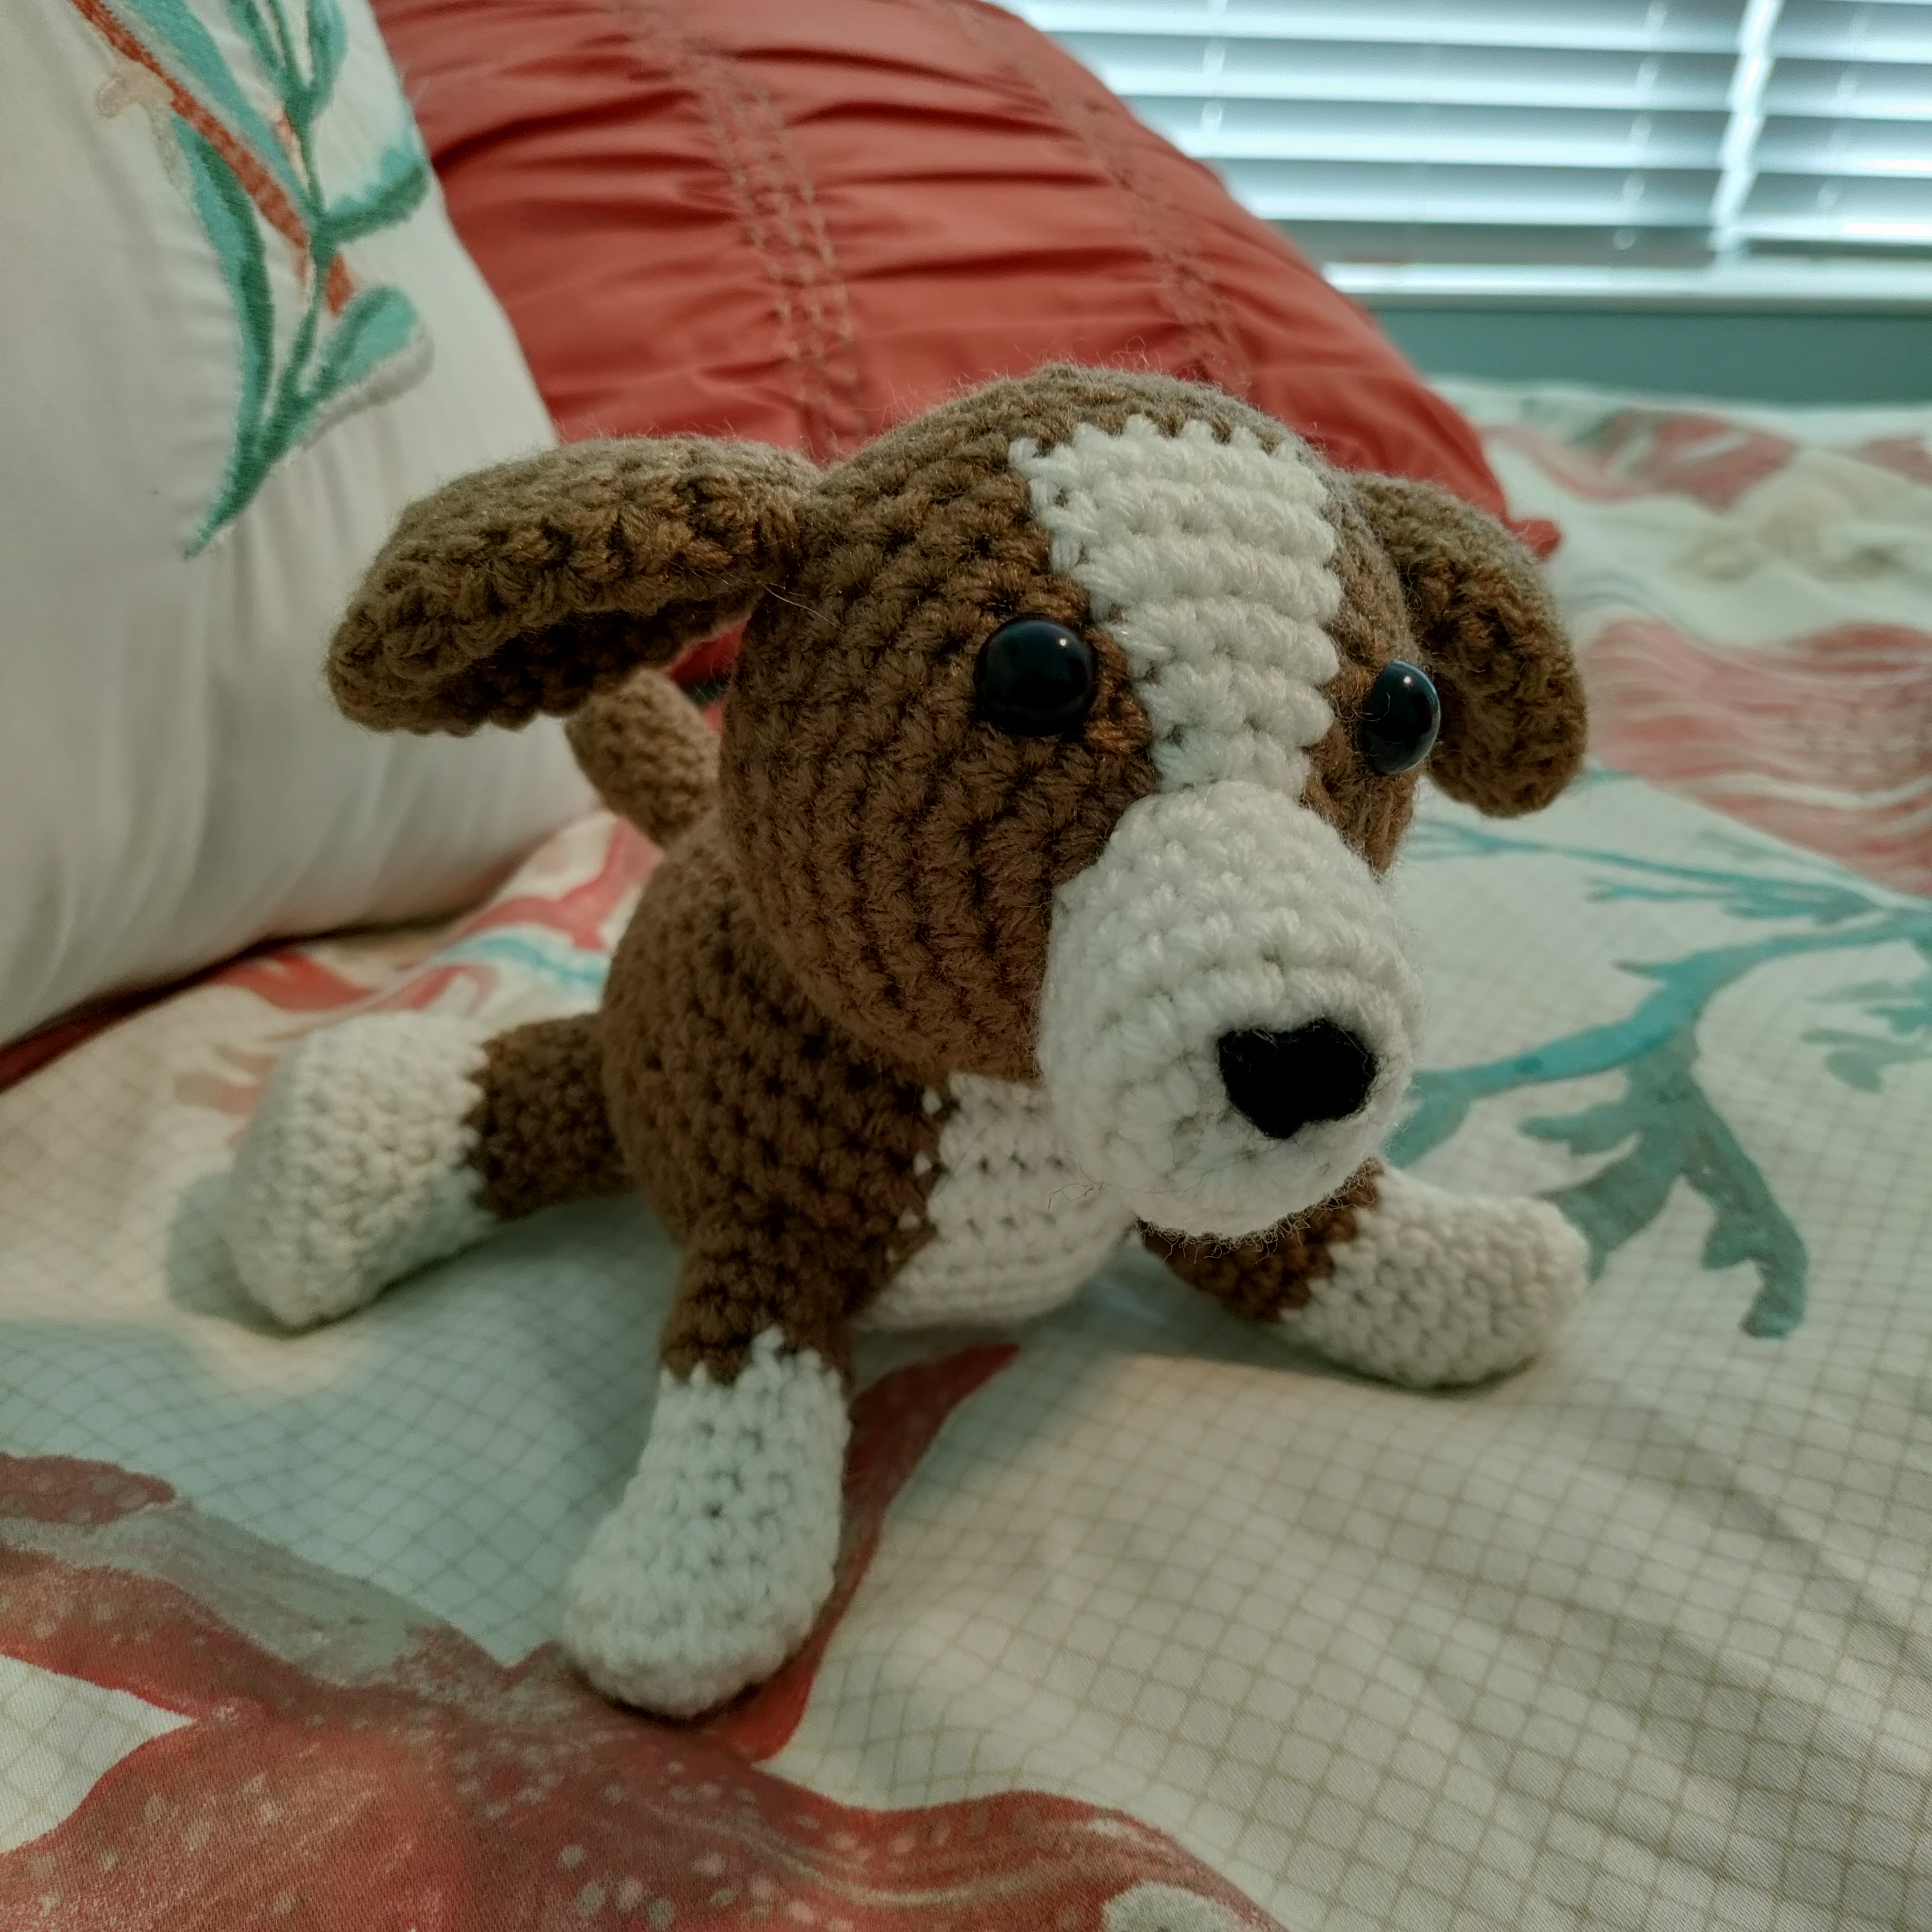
column 1074, row 725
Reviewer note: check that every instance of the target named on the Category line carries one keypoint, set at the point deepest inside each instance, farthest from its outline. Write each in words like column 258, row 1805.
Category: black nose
column 1284, row 1082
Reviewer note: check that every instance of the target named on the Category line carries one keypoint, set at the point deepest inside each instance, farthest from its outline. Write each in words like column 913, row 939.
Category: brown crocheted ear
column 1513, row 715
column 527, row 587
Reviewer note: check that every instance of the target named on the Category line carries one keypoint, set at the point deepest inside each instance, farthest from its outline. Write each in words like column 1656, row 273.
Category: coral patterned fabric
column 272, row 1745
column 1147, row 1621
column 1750, row 590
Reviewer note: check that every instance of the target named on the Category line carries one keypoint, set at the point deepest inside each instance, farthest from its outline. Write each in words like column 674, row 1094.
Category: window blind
column 1648, row 142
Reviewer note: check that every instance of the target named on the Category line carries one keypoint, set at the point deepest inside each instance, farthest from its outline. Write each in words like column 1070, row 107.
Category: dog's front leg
column 712, row 1567
column 1401, row 1280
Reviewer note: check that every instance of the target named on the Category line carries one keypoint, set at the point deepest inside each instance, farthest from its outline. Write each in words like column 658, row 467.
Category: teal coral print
column 251, row 174
column 1663, row 1128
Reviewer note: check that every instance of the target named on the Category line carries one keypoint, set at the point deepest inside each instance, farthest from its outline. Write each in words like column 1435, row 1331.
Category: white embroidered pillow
column 237, row 336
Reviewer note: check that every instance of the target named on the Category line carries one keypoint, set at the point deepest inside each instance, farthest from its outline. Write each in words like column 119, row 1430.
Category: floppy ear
column 1513, row 713
column 527, row 587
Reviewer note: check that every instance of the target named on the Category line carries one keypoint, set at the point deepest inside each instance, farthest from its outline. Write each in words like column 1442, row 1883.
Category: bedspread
column 1146, row 1622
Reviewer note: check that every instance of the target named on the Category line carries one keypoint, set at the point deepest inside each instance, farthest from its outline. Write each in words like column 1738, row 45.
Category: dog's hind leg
column 392, row 1140
column 1401, row 1280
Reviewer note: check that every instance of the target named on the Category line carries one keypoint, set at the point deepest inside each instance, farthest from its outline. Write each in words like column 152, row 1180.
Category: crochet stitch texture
column 923, row 1011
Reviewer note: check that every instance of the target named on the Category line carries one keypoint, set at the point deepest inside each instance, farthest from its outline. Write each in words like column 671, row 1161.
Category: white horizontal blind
column 1695, row 140
column 1844, row 159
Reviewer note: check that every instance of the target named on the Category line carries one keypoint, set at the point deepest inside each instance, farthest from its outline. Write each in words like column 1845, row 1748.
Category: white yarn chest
column 1016, row 1228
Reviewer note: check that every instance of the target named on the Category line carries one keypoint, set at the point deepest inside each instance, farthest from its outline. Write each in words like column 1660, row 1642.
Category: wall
column 1807, row 356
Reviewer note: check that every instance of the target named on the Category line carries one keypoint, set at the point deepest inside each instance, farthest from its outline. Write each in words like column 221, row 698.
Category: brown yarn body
column 780, row 1151
column 1267, row 1275
column 543, row 1133
column 856, row 898
column 653, row 758
column 783, row 1153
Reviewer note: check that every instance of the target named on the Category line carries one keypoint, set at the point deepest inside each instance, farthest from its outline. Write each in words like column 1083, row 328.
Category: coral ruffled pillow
column 237, row 337
column 803, row 222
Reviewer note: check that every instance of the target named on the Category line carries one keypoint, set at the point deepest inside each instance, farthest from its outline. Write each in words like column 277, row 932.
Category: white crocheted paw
column 1438, row 1288
column 354, row 1171
column 711, row 1571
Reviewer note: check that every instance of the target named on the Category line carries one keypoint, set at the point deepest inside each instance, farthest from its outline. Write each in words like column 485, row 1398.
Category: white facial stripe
column 1209, row 563
column 1222, row 903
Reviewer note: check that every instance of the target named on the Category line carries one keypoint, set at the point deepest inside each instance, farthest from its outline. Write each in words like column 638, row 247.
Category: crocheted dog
column 1033, row 897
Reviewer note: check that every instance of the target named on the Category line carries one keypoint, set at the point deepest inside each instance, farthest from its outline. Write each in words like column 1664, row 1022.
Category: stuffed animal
column 1032, row 898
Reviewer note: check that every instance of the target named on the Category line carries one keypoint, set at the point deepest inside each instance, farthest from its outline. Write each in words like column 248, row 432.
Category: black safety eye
column 1401, row 719
column 1036, row 678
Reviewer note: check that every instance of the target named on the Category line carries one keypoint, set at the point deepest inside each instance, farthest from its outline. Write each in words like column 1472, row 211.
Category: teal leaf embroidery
column 1862, row 1060
column 1663, row 1127
column 229, row 217
column 342, row 348
column 272, row 55
column 328, row 47
column 376, row 325
column 186, row 49
column 402, row 180
column 1673, row 1133
column 1903, row 1007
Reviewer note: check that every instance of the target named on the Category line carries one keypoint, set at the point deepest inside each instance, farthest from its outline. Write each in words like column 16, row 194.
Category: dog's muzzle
column 1229, row 1021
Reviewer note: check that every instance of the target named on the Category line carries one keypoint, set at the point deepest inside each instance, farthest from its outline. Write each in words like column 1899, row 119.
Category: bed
column 1143, row 1622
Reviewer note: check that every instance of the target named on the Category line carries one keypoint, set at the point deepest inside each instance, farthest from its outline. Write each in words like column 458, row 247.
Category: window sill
column 1781, row 285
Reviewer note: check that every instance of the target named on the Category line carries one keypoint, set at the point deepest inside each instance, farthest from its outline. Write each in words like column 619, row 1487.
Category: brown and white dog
column 1033, row 896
